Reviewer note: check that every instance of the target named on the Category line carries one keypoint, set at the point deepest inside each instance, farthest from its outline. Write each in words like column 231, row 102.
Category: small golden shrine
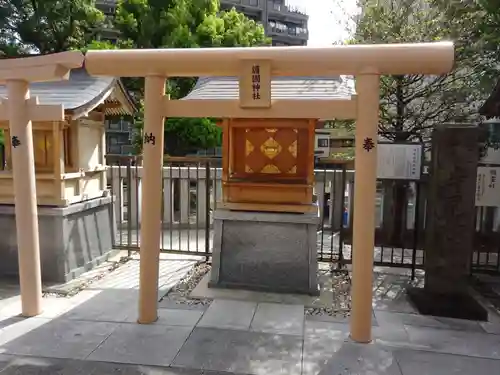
column 268, row 163
column 69, row 155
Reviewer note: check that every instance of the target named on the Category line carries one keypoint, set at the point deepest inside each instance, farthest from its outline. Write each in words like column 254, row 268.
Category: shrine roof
column 81, row 93
column 281, row 88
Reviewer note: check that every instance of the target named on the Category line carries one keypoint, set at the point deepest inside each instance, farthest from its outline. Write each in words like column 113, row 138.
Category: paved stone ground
column 95, row 332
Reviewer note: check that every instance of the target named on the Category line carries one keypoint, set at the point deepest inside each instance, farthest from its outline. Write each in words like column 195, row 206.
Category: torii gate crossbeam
column 366, row 62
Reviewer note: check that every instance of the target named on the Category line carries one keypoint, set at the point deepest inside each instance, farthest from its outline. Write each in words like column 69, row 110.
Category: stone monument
column 450, row 225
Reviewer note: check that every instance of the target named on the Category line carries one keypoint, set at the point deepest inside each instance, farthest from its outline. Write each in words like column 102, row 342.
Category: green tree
column 47, row 26
column 185, row 24
column 474, row 25
column 411, row 105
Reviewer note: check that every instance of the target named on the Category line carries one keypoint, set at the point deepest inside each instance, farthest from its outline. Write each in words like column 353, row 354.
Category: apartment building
column 284, row 24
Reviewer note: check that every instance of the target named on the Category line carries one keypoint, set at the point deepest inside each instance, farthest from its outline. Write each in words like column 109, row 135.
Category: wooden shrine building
column 268, row 164
column 265, row 227
column 74, row 205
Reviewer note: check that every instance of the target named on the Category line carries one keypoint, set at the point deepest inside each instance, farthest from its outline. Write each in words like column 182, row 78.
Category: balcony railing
column 252, row 3
column 281, row 28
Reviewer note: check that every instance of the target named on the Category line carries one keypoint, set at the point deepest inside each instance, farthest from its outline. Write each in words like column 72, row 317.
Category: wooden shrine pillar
column 23, row 171
column 20, row 110
column 367, row 87
column 152, row 194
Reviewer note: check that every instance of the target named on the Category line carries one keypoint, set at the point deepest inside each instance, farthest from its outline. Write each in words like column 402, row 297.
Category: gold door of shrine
column 268, row 164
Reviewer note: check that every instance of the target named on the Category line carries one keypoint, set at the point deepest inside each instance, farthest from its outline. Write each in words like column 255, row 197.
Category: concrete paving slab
column 456, row 342
column 493, row 328
column 203, row 291
column 321, row 340
column 392, row 318
column 279, row 319
column 229, row 314
column 241, row 352
column 174, row 317
column 395, row 334
column 42, row 366
column 60, row 339
column 336, row 318
column 426, row 363
column 17, row 327
column 352, row 358
column 102, row 368
column 154, row 345
column 169, row 304
column 4, row 360
column 52, row 308
column 8, row 320
column 109, row 305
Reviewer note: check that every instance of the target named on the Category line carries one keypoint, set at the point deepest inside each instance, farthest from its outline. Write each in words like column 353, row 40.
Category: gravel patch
column 335, row 298
column 180, row 293
column 75, row 286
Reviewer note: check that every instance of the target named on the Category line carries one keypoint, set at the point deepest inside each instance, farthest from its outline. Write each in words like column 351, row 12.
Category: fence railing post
column 168, row 200
column 117, row 189
column 184, row 205
column 135, row 188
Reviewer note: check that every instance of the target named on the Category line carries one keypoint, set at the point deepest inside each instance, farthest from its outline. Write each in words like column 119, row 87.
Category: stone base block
column 459, row 305
column 73, row 239
column 271, row 252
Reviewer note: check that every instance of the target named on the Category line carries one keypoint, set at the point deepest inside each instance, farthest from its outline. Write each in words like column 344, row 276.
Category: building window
column 323, row 142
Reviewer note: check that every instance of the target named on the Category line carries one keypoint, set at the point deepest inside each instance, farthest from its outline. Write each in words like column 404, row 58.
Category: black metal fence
column 192, row 186
column 336, row 185
column 486, row 257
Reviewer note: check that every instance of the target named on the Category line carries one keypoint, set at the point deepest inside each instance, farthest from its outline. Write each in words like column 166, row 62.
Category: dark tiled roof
column 281, row 88
column 78, row 92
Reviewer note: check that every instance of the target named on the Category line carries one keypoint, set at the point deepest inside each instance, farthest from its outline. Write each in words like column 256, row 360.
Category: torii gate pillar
column 20, row 110
column 366, row 62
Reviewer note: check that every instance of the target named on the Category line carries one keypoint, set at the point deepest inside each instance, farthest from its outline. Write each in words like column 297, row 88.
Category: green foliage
column 412, row 105
column 188, row 135
column 183, row 135
column 105, row 44
column 474, row 26
column 47, row 26
column 185, row 24
column 2, row 138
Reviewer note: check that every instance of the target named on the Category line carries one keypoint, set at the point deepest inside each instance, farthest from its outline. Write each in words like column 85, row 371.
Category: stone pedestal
column 73, row 239
column 271, row 252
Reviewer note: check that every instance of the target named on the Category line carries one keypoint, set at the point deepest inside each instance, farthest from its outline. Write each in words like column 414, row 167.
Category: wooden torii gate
column 20, row 110
column 366, row 62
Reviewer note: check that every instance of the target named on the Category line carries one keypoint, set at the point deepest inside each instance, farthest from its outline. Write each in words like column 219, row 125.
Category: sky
column 328, row 19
